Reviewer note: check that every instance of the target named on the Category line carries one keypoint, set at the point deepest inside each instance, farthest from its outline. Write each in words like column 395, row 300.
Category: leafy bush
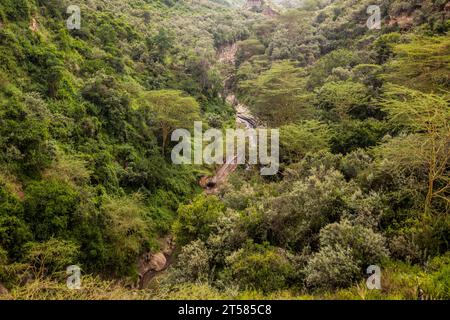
column 296, row 140
column 126, row 233
column 196, row 220
column 296, row 216
column 51, row 257
column 193, row 263
column 324, row 66
column 247, row 49
column 14, row 232
column 355, row 163
column 366, row 246
column 354, row 134
column 24, row 135
column 51, row 208
column 332, row 268
column 260, row 267
column 230, row 232
column 345, row 252
column 343, row 99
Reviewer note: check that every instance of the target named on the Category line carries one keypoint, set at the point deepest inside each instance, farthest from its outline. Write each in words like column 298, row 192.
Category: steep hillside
column 87, row 179
column 81, row 154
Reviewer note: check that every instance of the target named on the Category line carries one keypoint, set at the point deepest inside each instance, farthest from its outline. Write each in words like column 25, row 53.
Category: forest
column 87, row 180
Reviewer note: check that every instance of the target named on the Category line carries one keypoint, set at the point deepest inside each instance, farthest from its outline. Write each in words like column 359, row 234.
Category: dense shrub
column 195, row 220
column 51, row 257
column 351, row 135
column 126, row 233
column 345, row 252
column 366, row 246
column 14, row 232
column 296, row 217
column 260, row 267
column 296, row 140
column 193, row 263
column 24, row 135
column 332, row 268
column 51, row 208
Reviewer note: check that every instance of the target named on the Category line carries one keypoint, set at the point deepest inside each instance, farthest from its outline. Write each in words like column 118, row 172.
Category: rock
column 3, row 290
column 169, row 247
column 151, row 262
column 158, row 262
column 204, row 182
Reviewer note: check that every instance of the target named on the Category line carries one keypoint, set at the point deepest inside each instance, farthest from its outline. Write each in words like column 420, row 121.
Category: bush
column 366, row 246
column 332, row 268
column 354, row 134
column 354, row 163
column 195, row 220
column 247, row 49
column 440, row 277
column 296, row 217
column 345, row 252
column 126, row 233
column 17, row 9
column 24, row 135
column 296, row 140
column 51, row 207
column 14, row 232
column 324, row 67
column 259, row 267
column 230, row 232
column 343, row 99
column 193, row 263
column 51, row 257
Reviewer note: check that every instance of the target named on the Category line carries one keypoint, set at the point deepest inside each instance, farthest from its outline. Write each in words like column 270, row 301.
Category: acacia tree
column 427, row 118
column 342, row 97
column 278, row 96
column 171, row 110
column 421, row 64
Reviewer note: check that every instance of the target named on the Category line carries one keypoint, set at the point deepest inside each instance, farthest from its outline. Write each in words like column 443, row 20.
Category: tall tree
column 427, row 116
column 172, row 109
column 278, row 96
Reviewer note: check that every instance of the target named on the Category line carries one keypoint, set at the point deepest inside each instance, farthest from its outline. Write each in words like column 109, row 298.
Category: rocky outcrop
column 150, row 264
column 3, row 290
column 204, row 182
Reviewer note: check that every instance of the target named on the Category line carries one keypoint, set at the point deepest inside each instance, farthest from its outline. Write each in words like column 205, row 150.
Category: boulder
column 158, row 262
column 152, row 262
column 3, row 290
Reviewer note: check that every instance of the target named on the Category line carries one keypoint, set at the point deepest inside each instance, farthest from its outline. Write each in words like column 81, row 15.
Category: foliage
column 85, row 121
column 296, row 140
column 193, row 263
column 172, row 110
column 331, row 268
column 51, row 257
column 367, row 247
column 342, row 99
column 259, row 267
column 278, row 94
column 195, row 220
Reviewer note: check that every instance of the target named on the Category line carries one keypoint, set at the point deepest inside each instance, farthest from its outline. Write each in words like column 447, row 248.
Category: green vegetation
column 86, row 176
